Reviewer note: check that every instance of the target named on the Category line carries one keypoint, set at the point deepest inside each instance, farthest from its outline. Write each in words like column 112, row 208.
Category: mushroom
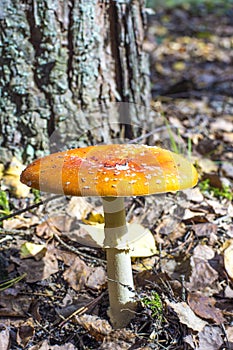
column 112, row 172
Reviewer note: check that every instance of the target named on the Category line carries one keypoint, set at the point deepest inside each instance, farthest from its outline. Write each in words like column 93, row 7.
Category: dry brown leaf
column 119, row 339
column 96, row 327
column 204, row 307
column 12, row 304
column 203, row 252
column 67, row 257
column 227, row 169
column 229, row 331
column 38, row 270
column 20, row 222
column 207, row 165
column 79, row 208
column 228, row 137
column 145, row 264
column 205, row 229
column 211, row 338
column 4, row 337
column 228, row 292
column 167, row 226
column 228, row 260
column 25, row 332
column 203, row 275
column 79, row 275
column 219, row 207
column 97, row 278
column 194, row 195
column 44, row 345
column 222, row 124
column 58, row 223
column 187, row 316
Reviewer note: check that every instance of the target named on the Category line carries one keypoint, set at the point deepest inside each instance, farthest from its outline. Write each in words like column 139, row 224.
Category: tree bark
column 72, row 73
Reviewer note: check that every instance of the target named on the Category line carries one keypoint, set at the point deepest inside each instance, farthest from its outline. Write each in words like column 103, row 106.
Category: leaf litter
column 61, row 302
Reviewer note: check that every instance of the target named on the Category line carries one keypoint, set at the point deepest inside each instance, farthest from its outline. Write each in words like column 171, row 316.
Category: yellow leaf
column 29, row 250
column 93, row 219
column 179, row 66
column 1, row 170
column 11, row 179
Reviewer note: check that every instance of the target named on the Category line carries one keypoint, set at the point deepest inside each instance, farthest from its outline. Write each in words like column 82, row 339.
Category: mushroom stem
column 119, row 270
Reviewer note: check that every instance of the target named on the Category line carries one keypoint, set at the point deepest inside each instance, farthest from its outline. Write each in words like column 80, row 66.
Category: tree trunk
column 65, row 66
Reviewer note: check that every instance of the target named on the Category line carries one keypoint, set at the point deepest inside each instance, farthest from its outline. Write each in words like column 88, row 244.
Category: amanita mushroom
column 113, row 172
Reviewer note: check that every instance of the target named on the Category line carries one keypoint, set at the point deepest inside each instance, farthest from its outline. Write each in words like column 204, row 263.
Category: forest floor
column 184, row 290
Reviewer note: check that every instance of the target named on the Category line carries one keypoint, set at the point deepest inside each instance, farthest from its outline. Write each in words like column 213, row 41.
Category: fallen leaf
column 97, row 278
column 78, row 274
column 44, row 345
column 187, row 316
column 228, row 137
column 204, row 307
column 179, row 65
column 58, row 223
column 205, row 229
column 13, row 304
column 93, row 218
column 207, row 165
column 194, row 195
column 189, row 339
column 79, row 208
column 1, row 170
column 228, row 260
column 219, row 207
column 25, row 332
column 20, row 222
column 230, row 210
column 38, row 270
column 211, row 338
column 144, row 264
column 203, row 275
column 119, row 339
column 222, row 124
column 228, row 292
column 96, row 327
column 227, row 169
column 229, row 331
column 29, row 249
column 4, row 337
column 11, row 179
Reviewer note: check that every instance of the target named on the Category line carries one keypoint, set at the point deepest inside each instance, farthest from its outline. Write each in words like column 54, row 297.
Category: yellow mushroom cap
column 111, row 170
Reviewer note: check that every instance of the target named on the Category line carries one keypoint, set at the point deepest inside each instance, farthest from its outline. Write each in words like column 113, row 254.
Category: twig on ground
column 82, row 309
column 71, row 248
column 30, row 207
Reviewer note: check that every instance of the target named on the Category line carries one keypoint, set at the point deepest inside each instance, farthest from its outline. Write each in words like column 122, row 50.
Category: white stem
column 119, row 270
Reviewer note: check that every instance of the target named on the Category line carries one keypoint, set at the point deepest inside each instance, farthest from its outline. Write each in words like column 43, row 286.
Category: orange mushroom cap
column 111, row 170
